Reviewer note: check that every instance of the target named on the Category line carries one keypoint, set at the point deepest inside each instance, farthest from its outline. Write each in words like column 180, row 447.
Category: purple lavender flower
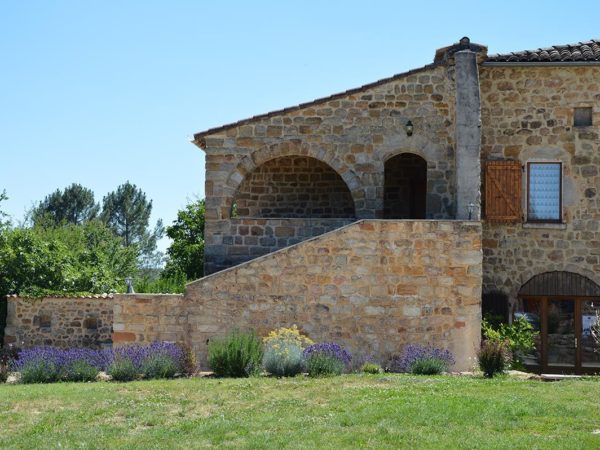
column 413, row 353
column 59, row 360
column 328, row 349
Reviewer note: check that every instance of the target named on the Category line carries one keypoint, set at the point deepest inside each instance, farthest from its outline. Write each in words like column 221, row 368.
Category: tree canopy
column 75, row 205
column 186, row 252
column 127, row 212
column 69, row 259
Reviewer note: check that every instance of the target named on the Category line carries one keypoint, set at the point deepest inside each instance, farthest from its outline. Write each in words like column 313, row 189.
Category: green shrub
column 372, row 368
column 39, row 371
column 3, row 372
column 159, row 365
column 80, row 371
column 122, row 370
column 239, row 354
column 493, row 357
column 429, row 366
column 520, row 336
column 320, row 365
column 283, row 359
column 189, row 365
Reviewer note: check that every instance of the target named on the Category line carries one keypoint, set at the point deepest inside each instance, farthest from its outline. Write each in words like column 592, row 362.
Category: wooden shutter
column 503, row 191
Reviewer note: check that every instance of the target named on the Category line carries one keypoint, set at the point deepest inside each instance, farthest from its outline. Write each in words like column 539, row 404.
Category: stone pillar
column 468, row 136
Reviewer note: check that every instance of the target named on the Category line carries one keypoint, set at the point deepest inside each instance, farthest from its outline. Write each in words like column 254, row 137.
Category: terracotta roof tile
column 581, row 52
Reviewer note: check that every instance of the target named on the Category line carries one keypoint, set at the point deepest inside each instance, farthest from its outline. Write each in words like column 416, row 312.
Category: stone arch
column 250, row 163
column 441, row 176
column 560, row 283
column 405, row 187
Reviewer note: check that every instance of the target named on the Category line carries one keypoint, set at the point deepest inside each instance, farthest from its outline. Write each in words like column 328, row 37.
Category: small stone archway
column 250, row 163
column 405, row 187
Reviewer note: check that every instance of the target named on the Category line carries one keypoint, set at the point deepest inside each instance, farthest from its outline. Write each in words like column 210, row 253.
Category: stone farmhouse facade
column 383, row 215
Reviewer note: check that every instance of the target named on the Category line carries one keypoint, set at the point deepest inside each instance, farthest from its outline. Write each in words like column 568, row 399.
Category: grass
column 352, row 411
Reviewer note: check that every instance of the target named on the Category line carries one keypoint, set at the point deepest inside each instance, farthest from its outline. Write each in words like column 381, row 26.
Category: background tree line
column 72, row 244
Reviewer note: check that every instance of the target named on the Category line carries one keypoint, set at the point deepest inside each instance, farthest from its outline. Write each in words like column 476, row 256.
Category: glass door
column 561, row 335
column 590, row 351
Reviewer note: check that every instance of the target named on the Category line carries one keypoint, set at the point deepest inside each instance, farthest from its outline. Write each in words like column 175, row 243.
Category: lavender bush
column 418, row 356
column 48, row 364
column 328, row 349
column 326, row 358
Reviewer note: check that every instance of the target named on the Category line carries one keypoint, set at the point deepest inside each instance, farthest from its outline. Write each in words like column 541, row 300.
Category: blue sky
column 100, row 92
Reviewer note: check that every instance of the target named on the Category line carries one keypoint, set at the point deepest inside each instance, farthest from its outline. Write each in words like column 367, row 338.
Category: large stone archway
column 294, row 187
column 250, row 163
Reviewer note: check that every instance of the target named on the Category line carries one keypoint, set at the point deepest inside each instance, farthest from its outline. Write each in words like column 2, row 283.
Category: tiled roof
column 574, row 53
column 91, row 296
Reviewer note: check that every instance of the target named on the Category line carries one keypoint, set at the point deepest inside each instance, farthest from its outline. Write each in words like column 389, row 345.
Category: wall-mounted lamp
column 409, row 128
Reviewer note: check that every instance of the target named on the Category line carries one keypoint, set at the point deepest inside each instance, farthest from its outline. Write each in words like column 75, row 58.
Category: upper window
column 582, row 117
column 544, row 198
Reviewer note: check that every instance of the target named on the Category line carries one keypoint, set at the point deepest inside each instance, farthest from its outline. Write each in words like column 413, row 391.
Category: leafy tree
column 186, row 253
column 127, row 212
column 75, row 205
column 69, row 259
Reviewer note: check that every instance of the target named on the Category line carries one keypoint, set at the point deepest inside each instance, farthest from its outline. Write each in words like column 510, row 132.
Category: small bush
column 122, row 369
column 520, row 337
column 237, row 355
column 494, row 357
column 429, row 366
column 3, row 372
column 80, row 371
column 283, row 359
column 414, row 353
column 189, row 365
column 159, row 365
column 39, row 371
column 288, row 336
column 322, row 365
column 371, row 367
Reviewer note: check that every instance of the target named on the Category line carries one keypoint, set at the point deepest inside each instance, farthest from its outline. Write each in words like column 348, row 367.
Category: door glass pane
column 590, row 351
column 531, row 310
column 561, row 333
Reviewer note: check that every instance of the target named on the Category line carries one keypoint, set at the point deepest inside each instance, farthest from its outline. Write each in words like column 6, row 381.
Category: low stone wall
column 144, row 318
column 59, row 322
column 372, row 286
column 232, row 242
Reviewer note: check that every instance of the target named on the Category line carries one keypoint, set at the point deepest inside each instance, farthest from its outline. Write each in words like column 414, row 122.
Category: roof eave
column 542, row 63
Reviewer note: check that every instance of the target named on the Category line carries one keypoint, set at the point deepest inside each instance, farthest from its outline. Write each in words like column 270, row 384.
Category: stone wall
column 245, row 239
column 372, row 286
column 145, row 318
column 352, row 133
column 294, row 186
column 527, row 115
column 59, row 322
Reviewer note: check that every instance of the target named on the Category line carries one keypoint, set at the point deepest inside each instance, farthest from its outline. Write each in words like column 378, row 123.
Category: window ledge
column 547, row 226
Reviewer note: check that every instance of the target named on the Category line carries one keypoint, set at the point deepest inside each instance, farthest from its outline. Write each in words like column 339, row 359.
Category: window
column 544, row 193
column 582, row 117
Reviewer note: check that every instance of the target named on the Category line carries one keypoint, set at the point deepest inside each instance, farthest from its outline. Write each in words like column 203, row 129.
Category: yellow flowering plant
column 284, row 335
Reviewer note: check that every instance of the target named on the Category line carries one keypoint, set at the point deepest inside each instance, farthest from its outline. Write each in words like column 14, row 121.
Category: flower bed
column 48, row 364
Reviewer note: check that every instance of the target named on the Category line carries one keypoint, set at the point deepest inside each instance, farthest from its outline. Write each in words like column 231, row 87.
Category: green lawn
column 381, row 411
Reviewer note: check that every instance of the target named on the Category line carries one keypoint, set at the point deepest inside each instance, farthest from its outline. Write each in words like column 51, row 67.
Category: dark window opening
column 405, row 188
column 582, row 117
column 43, row 321
column 544, row 192
column 91, row 323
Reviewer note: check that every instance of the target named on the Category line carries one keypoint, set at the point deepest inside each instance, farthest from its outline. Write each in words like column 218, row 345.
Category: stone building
column 382, row 215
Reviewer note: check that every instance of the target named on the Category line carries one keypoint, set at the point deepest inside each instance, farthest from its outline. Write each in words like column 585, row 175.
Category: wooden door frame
column 543, row 366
